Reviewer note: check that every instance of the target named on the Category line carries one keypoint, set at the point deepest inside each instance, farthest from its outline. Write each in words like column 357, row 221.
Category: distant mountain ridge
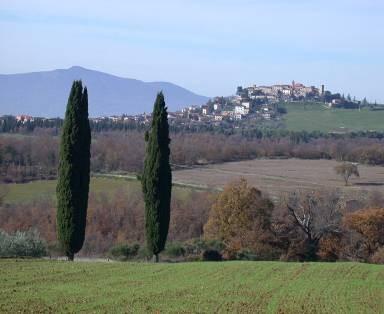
column 46, row 93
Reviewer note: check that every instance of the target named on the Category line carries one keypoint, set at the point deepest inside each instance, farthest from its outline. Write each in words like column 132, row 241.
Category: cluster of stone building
column 234, row 108
column 293, row 91
column 24, row 118
column 142, row 118
column 253, row 102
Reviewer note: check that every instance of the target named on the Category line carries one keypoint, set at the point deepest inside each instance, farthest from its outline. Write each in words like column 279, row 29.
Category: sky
column 209, row 47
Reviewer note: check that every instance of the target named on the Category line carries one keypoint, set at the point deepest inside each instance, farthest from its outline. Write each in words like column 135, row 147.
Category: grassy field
column 233, row 287
column 317, row 117
column 35, row 190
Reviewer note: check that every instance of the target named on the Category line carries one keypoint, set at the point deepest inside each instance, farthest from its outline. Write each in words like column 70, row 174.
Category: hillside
column 234, row 287
column 46, row 93
column 318, row 117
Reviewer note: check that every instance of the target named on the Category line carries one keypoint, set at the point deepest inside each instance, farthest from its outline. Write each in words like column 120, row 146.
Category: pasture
column 317, row 117
column 200, row 287
column 46, row 189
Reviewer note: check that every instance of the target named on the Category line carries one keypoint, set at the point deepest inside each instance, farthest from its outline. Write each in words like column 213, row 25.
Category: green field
column 233, row 287
column 45, row 189
column 317, row 117
column 27, row 192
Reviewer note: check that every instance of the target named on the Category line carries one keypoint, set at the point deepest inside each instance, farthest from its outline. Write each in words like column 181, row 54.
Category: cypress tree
column 157, row 179
column 74, row 172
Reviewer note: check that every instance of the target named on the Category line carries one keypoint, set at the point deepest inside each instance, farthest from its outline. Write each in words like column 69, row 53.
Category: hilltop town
column 252, row 103
column 249, row 103
column 255, row 103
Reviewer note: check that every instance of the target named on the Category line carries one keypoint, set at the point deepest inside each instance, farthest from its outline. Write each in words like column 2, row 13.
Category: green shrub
column 198, row 246
column 144, row 253
column 124, row 251
column 175, row 249
column 22, row 244
column 246, row 255
column 212, row 255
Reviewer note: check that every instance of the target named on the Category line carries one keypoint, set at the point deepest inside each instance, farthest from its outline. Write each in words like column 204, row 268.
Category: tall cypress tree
column 157, row 179
column 74, row 172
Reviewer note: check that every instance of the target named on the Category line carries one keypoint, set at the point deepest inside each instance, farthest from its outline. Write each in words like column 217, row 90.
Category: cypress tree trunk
column 70, row 256
column 157, row 180
column 74, row 172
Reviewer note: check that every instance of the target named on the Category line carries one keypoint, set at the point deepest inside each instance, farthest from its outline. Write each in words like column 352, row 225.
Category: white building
column 216, row 107
column 266, row 89
column 240, row 109
column 218, row 117
column 204, row 110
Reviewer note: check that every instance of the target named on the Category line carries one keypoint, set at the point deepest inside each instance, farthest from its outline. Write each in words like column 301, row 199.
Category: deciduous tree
column 317, row 215
column 370, row 224
column 240, row 217
column 346, row 170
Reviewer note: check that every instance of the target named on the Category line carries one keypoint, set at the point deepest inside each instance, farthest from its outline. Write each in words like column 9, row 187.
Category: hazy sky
column 208, row 46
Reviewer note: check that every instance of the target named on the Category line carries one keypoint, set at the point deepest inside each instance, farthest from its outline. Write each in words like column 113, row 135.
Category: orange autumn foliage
column 370, row 224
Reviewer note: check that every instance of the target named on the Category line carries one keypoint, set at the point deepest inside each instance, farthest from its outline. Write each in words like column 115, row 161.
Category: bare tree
column 316, row 214
column 346, row 170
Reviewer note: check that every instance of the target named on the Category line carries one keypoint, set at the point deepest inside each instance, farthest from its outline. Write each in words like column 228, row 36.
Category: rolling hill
column 45, row 93
column 310, row 117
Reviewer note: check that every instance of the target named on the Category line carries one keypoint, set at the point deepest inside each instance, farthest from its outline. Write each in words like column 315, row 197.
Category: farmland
column 45, row 189
column 274, row 176
column 284, row 175
column 242, row 287
column 317, row 117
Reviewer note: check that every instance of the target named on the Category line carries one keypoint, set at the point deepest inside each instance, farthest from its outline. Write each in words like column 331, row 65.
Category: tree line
column 36, row 156
column 241, row 222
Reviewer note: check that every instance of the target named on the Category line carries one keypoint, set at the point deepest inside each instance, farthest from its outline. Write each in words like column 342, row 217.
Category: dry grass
column 284, row 175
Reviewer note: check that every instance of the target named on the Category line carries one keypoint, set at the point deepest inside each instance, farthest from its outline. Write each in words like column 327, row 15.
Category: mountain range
column 45, row 93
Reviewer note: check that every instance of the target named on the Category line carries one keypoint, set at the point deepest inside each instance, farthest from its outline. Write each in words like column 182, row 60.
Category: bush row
column 22, row 244
column 36, row 157
column 191, row 250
